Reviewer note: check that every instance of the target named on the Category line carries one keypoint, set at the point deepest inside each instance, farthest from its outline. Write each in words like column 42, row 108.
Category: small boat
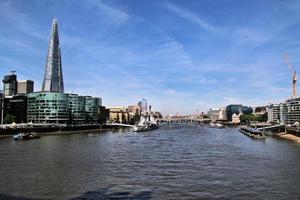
column 216, row 125
column 26, row 136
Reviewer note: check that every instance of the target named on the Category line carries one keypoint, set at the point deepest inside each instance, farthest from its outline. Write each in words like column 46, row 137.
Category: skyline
column 181, row 57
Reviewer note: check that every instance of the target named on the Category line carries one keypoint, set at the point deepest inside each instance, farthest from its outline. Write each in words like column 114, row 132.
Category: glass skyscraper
column 53, row 78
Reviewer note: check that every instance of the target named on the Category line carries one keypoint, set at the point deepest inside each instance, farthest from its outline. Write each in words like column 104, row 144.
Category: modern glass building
column 77, row 108
column 91, row 108
column 48, row 107
column 10, row 84
column 290, row 111
column 54, row 107
column 53, row 78
column 237, row 109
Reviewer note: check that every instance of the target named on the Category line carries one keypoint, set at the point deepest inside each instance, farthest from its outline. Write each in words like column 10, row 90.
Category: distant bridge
column 183, row 120
column 118, row 124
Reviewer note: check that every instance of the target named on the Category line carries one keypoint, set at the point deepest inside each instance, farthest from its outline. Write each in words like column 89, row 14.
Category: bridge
column 118, row 124
column 183, row 120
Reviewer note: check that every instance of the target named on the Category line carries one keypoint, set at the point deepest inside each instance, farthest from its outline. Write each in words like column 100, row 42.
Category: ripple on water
column 178, row 162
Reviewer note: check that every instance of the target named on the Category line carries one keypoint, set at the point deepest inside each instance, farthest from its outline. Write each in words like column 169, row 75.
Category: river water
column 173, row 162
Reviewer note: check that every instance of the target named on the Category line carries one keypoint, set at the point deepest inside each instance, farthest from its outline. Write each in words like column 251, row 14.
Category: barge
column 252, row 133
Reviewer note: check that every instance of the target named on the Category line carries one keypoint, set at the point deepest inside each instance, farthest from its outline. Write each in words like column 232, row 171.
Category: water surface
column 173, row 162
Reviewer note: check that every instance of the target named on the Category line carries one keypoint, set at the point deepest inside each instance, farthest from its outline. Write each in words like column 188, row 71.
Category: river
column 173, row 162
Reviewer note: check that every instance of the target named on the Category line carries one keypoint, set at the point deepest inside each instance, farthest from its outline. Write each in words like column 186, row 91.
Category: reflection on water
column 173, row 162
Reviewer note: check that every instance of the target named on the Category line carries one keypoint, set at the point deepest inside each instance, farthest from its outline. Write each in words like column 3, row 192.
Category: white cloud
column 191, row 16
column 113, row 14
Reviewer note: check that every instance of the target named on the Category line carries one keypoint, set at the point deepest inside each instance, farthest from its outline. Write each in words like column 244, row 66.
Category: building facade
column 222, row 114
column 16, row 107
column 10, row 84
column 63, row 108
column 48, row 107
column 91, row 108
column 213, row 113
column 237, row 109
column 290, row 111
column 25, row 86
column 274, row 113
column 103, row 114
column 119, row 115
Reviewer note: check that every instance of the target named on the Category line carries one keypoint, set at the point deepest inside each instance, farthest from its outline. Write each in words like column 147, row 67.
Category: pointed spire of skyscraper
column 53, row 79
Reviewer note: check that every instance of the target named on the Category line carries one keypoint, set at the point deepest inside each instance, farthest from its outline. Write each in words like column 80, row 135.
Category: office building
column 16, row 107
column 53, row 78
column 237, row 109
column 91, row 108
column 274, row 113
column 290, row 111
column 56, row 107
column 77, row 108
column 10, row 84
column 48, row 107
column 103, row 114
column 25, row 86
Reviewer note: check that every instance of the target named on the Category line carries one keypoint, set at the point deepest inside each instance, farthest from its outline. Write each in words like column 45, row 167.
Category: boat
column 146, row 123
column 253, row 133
column 216, row 125
column 26, row 136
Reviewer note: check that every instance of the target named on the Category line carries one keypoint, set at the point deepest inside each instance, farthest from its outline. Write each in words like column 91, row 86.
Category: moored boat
column 26, row 136
column 147, row 123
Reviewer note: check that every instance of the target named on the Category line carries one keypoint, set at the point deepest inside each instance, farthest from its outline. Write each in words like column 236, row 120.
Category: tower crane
column 293, row 73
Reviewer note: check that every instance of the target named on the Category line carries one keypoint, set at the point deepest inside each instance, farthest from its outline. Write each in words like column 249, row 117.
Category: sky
column 184, row 57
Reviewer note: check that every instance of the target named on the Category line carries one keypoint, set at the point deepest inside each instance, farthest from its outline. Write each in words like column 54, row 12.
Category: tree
column 8, row 119
column 262, row 118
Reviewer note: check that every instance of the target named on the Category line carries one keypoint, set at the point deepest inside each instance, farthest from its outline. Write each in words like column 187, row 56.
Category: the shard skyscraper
column 53, row 79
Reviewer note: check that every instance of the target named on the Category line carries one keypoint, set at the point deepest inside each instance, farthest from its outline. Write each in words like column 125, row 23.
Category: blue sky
column 183, row 56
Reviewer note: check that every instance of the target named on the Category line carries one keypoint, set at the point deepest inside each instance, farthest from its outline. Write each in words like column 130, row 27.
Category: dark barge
column 253, row 133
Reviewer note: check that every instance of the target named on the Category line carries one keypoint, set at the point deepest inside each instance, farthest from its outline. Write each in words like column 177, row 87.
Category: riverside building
column 62, row 108
column 237, row 109
column 287, row 112
column 273, row 112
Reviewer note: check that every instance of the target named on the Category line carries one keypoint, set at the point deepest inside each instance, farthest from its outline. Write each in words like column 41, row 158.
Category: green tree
column 262, row 118
column 8, row 119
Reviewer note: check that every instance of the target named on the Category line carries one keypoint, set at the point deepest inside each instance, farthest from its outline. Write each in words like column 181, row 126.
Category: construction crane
column 293, row 73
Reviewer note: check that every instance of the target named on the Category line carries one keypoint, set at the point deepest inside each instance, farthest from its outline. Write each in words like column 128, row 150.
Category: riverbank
column 289, row 137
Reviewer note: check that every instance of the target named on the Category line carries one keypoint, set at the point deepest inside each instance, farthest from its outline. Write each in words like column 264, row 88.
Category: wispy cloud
column 250, row 37
column 15, row 17
column 191, row 16
column 113, row 14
